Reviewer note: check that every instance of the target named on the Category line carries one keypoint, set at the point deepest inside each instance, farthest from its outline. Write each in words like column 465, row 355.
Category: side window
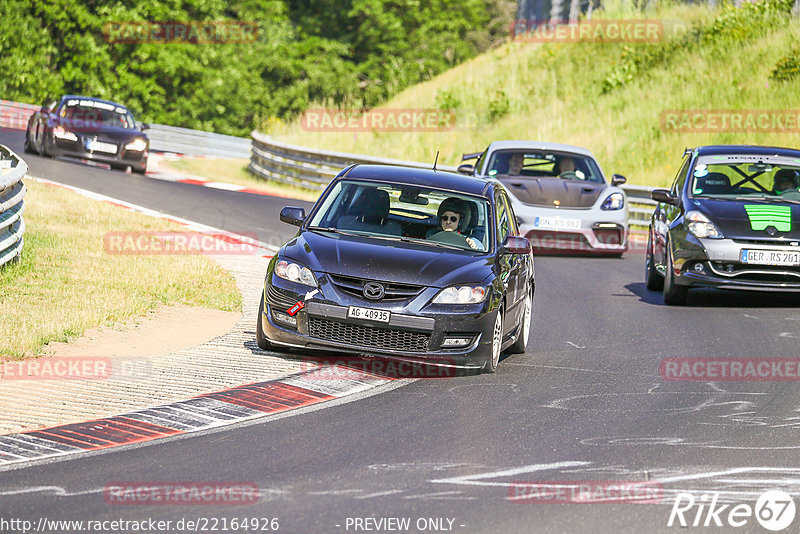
column 512, row 219
column 479, row 163
column 504, row 221
column 680, row 178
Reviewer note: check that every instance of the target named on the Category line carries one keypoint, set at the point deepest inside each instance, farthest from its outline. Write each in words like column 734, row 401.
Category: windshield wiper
column 330, row 229
column 768, row 199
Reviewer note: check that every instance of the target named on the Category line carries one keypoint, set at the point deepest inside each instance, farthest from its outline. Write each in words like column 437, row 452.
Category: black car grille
column 280, row 298
column 393, row 291
column 756, row 273
column 366, row 336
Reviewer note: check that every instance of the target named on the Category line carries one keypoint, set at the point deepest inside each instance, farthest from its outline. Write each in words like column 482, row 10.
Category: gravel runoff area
column 229, row 360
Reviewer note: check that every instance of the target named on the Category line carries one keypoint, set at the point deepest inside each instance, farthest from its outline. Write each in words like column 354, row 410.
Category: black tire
column 26, row 147
column 525, row 326
column 652, row 280
column 261, row 339
column 674, row 295
column 497, row 343
column 140, row 171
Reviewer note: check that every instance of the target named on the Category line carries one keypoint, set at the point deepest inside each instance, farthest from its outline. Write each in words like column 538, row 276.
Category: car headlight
column 294, row 272
column 61, row 133
column 615, row 201
column 700, row 226
column 137, row 145
column 461, row 295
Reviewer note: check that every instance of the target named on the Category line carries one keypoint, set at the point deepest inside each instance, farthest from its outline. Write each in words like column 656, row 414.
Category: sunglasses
column 450, row 218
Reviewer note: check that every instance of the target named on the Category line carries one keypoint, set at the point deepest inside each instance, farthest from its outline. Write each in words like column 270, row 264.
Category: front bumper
column 74, row 149
column 717, row 263
column 591, row 231
column 410, row 335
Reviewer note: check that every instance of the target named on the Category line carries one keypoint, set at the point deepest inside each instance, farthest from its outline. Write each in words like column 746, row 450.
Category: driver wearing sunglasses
column 451, row 217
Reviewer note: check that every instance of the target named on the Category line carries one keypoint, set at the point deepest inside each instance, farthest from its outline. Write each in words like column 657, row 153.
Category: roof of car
column 710, row 150
column 422, row 178
column 538, row 145
column 81, row 97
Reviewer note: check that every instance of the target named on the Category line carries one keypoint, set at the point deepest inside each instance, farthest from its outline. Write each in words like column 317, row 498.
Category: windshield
column 544, row 164
column 408, row 213
column 752, row 178
column 92, row 113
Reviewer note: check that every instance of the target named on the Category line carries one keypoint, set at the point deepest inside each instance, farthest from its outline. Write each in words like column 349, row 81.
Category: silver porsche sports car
column 560, row 195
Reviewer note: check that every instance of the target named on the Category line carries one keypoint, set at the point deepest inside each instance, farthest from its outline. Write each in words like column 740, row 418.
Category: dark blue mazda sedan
column 406, row 264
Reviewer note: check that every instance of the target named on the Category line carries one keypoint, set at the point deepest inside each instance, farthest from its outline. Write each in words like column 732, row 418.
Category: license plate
column 557, row 223
column 381, row 316
column 770, row 257
column 99, row 146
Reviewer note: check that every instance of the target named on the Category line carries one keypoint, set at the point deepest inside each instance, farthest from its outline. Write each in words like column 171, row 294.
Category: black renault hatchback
column 731, row 220
column 402, row 263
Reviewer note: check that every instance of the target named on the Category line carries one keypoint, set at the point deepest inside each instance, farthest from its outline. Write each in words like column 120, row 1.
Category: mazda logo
column 373, row 291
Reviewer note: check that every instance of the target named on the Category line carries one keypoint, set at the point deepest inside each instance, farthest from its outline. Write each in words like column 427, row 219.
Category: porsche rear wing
column 470, row 155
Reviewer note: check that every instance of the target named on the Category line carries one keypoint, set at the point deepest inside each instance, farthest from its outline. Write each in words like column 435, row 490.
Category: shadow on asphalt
column 720, row 298
column 381, row 367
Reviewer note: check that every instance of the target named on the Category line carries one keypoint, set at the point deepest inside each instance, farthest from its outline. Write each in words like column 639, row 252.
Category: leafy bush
column 499, row 105
column 787, row 68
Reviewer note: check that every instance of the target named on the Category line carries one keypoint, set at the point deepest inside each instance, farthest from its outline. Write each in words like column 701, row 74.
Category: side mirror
column 144, row 126
column 663, row 195
column 618, row 179
column 516, row 244
column 293, row 216
column 466, row 169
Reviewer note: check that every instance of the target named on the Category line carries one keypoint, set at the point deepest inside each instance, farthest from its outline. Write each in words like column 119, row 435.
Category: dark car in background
column 406, row 264
column 88, row 128
column 731, row 220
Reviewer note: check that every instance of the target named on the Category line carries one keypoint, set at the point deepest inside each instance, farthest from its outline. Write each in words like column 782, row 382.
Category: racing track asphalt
column 585, row 402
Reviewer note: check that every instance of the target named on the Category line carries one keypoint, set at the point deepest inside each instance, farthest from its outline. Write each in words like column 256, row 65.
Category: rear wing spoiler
column 471, row 155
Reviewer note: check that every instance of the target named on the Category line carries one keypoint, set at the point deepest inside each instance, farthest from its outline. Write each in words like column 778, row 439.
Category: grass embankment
column 608, row 97
column 234, row 171
column 66, row 283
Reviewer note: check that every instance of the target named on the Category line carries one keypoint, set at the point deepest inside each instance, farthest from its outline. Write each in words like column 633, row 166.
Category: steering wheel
column 569, row 175
column 450, row 238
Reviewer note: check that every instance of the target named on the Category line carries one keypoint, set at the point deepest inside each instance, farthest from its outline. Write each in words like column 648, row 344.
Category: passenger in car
column 785, row 180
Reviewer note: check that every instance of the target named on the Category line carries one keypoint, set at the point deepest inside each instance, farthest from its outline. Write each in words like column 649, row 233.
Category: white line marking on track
column 476, row 480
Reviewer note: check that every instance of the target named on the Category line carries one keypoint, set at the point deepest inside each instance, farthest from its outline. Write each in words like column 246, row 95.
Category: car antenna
column 435, row 161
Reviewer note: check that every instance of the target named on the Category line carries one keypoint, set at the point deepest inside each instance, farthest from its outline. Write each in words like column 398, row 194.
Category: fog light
column 698, row 267
column 284, row 318
column 456, row 342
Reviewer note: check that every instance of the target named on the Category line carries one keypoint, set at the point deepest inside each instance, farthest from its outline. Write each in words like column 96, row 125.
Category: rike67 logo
column 774, row 510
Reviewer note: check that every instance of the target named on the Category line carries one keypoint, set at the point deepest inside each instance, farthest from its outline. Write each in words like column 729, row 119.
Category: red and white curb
column 200, row 413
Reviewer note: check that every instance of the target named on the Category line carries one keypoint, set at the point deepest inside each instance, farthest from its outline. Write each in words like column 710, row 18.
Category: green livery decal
column 761, row 216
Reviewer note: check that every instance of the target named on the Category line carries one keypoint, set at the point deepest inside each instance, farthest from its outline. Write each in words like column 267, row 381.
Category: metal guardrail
column 12, row 170
column 314, row 169
column 196, row 143
column 308, row 168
